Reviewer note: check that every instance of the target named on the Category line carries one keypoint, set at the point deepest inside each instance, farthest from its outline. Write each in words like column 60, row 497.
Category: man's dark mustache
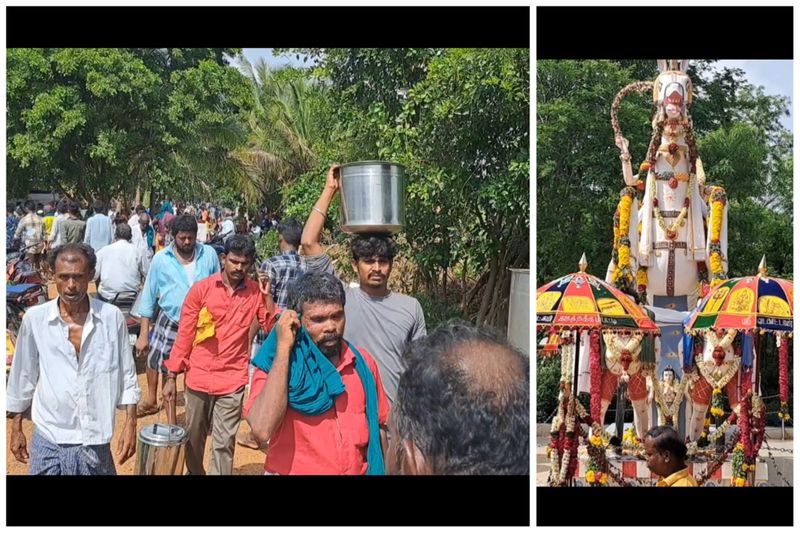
column 330, row 337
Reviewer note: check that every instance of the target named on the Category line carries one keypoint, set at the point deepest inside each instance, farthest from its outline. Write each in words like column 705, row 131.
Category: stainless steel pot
column 161, row 450
column 373, row 197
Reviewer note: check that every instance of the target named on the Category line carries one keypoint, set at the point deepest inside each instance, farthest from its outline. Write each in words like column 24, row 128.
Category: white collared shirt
column 73, row 398
column 121, row 267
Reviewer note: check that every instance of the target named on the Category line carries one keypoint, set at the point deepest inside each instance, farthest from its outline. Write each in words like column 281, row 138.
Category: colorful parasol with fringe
column 753, row 302
column 583, row 301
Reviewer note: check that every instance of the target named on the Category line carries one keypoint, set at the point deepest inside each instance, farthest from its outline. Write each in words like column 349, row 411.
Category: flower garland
column 738, row 466
column 671, row 231
column 705, row 439
column 717, row 201
column 626, row 353
column 597, row 466
column 596, row 374
column 641, row 282
column 566, row 363
column 751, row 435
column 622, row 276
column 716, row 377
column 783, row 376
column 564, row 436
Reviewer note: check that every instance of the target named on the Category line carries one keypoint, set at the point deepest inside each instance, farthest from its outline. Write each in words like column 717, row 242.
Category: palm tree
column 279, row 127
column 259, row 153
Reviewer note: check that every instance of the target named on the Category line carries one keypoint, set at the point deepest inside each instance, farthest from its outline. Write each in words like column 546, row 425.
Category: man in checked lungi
column 172, row 273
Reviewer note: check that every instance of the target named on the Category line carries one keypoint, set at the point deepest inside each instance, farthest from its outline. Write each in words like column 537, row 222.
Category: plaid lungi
column 50, row 459
column 162, row 339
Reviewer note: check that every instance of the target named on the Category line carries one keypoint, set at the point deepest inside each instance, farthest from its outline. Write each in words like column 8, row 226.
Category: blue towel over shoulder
column 313, row 380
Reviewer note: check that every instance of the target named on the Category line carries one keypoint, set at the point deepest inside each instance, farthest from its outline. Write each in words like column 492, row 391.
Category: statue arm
column 625, row 157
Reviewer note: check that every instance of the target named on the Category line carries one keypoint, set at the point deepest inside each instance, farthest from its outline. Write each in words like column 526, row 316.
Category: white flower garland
column 566, row 363
column 718, row 376
column 724, row 343
column 673, row 228
column 614, row 349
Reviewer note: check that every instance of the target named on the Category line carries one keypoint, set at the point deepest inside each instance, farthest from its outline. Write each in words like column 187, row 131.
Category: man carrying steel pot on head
column 381, row 320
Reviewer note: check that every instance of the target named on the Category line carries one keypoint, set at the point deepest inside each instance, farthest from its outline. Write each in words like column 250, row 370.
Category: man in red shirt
column 213, row 347
column 336, row 441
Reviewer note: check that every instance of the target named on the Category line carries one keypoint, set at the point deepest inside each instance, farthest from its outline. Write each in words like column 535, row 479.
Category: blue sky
column 253, row 54
column 774, row 75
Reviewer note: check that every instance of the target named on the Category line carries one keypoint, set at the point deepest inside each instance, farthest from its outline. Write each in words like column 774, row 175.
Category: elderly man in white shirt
column 121, row 266
column 73, row 364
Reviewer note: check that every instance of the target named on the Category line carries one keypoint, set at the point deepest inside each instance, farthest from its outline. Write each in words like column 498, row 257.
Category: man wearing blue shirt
column 172, row 273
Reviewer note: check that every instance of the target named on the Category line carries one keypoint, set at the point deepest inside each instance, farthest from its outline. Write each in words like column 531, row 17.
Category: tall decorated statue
column 670, row 243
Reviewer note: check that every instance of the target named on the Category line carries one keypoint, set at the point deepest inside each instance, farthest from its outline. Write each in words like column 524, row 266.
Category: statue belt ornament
column 672, row 178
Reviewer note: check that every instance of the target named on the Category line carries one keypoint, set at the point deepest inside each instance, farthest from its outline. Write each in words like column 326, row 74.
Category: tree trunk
column 464, row 286
column 488, row 292
column 476, row 289
column 444, row 285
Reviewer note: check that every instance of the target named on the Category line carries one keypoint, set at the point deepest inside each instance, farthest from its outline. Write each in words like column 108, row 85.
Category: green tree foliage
column 100, row 122
column 458, row 120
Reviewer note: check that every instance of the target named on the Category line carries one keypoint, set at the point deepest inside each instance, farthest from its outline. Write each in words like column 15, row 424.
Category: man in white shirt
column 134, row 220
column 61, row 214
column 73, row 362
column 227, row 229
column 98, row 227
column 121, row 266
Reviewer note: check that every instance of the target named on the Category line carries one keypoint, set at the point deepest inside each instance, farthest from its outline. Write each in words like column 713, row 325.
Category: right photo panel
column 664, row 301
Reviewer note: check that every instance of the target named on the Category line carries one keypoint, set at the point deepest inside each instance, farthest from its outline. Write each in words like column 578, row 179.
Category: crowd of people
column 330, row 378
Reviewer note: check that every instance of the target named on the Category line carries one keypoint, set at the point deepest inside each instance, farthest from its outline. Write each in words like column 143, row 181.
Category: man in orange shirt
column 337, row 441
column 213, row 347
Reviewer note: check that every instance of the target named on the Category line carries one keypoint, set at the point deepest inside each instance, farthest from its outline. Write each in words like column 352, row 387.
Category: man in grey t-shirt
column 378, row 319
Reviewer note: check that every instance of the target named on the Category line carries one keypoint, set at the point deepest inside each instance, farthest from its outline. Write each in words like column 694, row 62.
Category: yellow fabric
column 681, row 478
column 48, row 225
column 205, row 326
column 9, row 347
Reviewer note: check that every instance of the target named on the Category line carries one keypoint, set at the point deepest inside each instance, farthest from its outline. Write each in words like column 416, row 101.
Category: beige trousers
column 223, row 414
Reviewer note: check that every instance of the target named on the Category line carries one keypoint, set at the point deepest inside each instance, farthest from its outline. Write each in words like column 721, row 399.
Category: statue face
column 673, row 111
column 673, row 87
column 668, row 376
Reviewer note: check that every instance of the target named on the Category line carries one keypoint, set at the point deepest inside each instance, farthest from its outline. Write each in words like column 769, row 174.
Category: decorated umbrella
column 582, row 301
column 747, row 304
column 576, row 302
column 752, row 305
